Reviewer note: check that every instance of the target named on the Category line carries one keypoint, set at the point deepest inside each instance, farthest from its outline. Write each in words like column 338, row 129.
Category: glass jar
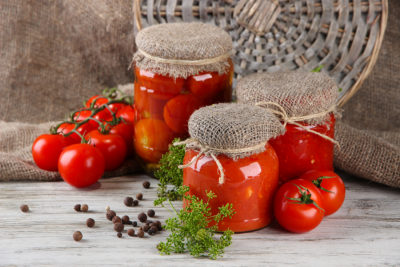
column 250, row 185
column 300, row 151
column 163, row 106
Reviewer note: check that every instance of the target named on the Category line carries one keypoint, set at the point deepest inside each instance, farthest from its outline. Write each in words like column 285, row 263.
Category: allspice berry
column 131, row 232
column 135, row 202
column 107, row 208
column 77, row 236
column 134, row 223
column 90, row 222
column 153, row 224
column 24, row 208
column 140, row 233
column 119, row 235
column 139, row 196
column 146, row 184
column 116, row 219
column 146, row 228
column 128, row 201
column 158, row 222
column 118, row 227
column 150, row 232
column 142, row 217
column 84, row 208
column 77, row 207
column 110, row 214
column 125, row 219
column 154, row 229
column 151, row 213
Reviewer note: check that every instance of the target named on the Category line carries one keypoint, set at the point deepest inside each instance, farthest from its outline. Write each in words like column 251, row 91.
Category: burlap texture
column 231, row 127
column 182, row 41
column 299, row 93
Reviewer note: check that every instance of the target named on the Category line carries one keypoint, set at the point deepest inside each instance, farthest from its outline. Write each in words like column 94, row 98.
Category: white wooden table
column 365, row 231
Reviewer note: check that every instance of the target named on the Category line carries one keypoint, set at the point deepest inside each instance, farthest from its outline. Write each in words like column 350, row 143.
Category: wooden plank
column 366, row 231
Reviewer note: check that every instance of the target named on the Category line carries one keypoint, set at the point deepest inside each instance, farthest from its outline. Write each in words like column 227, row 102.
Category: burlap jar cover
column 183, row 49
column 234, row 130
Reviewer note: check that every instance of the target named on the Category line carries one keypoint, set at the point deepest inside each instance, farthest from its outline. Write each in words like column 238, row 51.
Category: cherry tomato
column 178, row 111
column 206, row 84
column 99, row 102
column 112, row 146
column 152, row 138
column 145, row 105
column 81, row 115
column 127, row 113
column 83, row 130
column 100, row 116
column 301, row 215
column 328, row 181
column 47, row 149
column 126, row 132
column 160, row 87
column 81, row 165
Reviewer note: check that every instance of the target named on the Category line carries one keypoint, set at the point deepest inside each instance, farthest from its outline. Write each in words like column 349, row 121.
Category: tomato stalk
column 318, row 182
column 305, row 197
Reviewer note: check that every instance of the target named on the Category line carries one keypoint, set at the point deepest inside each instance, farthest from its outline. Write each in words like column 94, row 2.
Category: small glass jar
column 250, row 185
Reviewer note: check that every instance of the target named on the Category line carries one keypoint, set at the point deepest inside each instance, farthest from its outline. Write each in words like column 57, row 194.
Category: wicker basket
column 270, row 35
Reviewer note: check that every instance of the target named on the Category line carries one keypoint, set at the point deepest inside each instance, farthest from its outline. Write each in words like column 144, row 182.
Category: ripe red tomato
column 127, row 113
column 81, row 115
column 178, row 111
column 83, row 130
column 99, row 102
column 205, row 84
column 112, row 146
column 47, row 149
column 125, row 130
column 161, row 87
column 145, row 105
column 328, row 181
column 81, row 165
column 301, row 215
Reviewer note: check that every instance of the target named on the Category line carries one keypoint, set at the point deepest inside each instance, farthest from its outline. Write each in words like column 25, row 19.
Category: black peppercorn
column 135, row 202
column 146, row 184
column 128, row 201
column 140, row 233
column 84, row 208
column 119, row 235
column 134, row 224
column 159, row 227
column 129, row 222
column 110, row 214
column 139, row 196
column 154, row 229
column 131, row 232
column 77, row 207
column 151, row 213
column 150, row 232
column 125, row 219
column 116, row 219
column 142, row 217
column 146, row 228
column 24, row 208
column 118, row 227
column 90, row 222
column 77, row 236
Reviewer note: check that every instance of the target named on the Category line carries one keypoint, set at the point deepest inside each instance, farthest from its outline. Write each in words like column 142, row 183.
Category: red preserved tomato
column 83, row 130
column 81, row 165
column 331, row 188
column 205, row 84
column 126, row 132
column 112, row 146
column 178, row 111
column 299, row 206
column 161, row 87
column 152, row 138
column 127, row 113
column 47, row 149
column 146, row 106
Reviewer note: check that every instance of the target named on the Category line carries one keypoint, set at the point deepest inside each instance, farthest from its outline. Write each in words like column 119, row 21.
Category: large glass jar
column 250, row 185
column 163, row 106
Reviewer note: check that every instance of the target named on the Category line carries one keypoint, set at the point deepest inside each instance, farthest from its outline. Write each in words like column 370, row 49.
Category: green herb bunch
column 189, row 227
column 169, row 173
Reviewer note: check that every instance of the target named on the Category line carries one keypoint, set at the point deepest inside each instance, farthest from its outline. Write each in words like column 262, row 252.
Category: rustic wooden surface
column 366, row 231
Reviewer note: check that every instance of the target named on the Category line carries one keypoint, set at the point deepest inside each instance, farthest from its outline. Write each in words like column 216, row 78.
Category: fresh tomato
column 81, row 115
column 112, row 146
column 99, row 102
column 178, row 111
column 159, row 86
column 100, row 116
column 125, row 130
column 127, row 113
column 145, row 105
column 205, row 84
column 299, row 206
column 47, row 149
column 330, row 186
column 83, row 130
column 152, row 138
column 81, row 165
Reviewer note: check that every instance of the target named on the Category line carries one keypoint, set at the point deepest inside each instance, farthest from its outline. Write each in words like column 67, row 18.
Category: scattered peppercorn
column 24, row 208
column 135, row 202
column 134, row 223
column 146, row 184
column 131, row 232
column 159, row 227
column 119, row 235
column 77, row 207
column 128, row 201
column 90, row 222
column 116, row 219
column 125, row 219
column 110, row 214
column 118, row 227
column 153, row 224
column 107, row 208
column 77, row 236
column 140, row 233
column 154, row 229
column 139, row 196
column 150, row 232
column 142, row 217
column 158, row 222
column 146, row 228
column 151, row 213
column 149, row 222
column 130, row 222
column 84, row 208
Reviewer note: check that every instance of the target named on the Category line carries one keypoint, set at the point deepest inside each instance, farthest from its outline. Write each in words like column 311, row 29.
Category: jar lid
column 183, row 49
column 304, row 96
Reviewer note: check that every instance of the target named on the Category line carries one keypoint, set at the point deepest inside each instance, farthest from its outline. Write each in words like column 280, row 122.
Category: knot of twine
column 206, row 150
column 293, row 120
column 186, row 62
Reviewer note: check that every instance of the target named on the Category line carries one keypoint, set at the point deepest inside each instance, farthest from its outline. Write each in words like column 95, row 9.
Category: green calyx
column 305, row 197
column 318, row 183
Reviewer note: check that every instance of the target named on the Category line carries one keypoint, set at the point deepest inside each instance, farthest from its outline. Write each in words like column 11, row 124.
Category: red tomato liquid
column 250, row 185
column 300, row 151
column 163, row 107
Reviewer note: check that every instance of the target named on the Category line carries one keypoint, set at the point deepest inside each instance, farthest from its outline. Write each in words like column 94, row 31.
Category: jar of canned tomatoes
column 305, row 102
column 179, row 68
column 228, row 153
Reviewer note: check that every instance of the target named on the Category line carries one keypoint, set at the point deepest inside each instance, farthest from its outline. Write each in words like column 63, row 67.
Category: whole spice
column 84, row 208
column 139, row 196
column 24, row 208
column 77, row 207
column 77, row 236
column 128, row 201
column 125, row 219
column 146, row 184
column 116, row 219
column 153, row 224
column 146, row 228
column 131, row 232
column 119, row 235
column 150, row 232
column 151, row 213
column 118, row 227
column 134, row 223
column 107, row 208
column 142, row 217
column 158, row 222
column 140, row 233
column 154, row 229
column 129, row 222
column 135, row 202
column 90, row 222
column 110, row 214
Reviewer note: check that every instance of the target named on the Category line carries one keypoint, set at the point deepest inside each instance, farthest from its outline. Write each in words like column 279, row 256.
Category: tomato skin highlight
column 333, row 201
column 81, row 165
column 298, row 218
column 47, row 148
column 159, row 86
column 126, row 132
column 83, row 130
